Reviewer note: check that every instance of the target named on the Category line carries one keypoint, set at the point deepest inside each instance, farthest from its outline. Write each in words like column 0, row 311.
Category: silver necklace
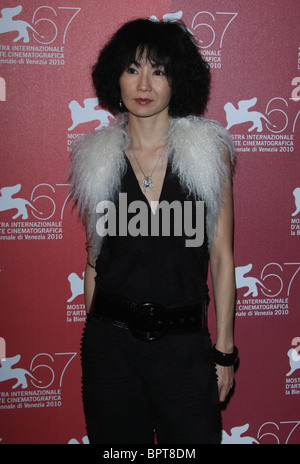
column 147, row 181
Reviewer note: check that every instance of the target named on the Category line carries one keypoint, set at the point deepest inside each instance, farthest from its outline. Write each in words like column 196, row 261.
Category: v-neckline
column 141, row 190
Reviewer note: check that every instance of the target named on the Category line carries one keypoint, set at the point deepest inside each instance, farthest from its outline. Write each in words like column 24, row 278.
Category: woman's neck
column 147, row 133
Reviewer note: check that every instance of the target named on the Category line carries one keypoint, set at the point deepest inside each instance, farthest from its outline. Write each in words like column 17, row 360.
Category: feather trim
column 199, row 149
column 97, row 167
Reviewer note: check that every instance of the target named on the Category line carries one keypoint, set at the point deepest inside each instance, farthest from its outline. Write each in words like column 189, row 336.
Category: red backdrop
column 47, row 100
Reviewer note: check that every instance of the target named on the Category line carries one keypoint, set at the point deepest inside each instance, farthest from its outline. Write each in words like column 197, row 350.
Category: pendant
column 147, row 183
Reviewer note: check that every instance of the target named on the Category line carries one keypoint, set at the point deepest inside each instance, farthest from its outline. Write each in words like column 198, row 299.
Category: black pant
column 131, row 387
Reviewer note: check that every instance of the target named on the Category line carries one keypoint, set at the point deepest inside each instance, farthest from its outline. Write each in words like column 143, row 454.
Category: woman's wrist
column 225, row 358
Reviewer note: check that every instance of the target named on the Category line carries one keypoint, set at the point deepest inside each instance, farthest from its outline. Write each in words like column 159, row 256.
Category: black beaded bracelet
column 224, row 359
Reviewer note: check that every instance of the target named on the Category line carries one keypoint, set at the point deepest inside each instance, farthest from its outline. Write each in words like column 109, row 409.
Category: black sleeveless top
column 161, row 268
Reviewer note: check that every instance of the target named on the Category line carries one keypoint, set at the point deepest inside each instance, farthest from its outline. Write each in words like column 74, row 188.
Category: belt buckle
column 148, row 322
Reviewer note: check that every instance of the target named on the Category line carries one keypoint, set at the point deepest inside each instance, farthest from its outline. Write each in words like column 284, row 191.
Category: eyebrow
column 153, row 64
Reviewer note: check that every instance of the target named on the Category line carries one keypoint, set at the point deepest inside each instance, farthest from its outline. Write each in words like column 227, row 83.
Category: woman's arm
column 90, row 273
column 223, row 281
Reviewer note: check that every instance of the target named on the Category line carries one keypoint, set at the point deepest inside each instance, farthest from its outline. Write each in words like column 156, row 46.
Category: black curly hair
column 167, row 44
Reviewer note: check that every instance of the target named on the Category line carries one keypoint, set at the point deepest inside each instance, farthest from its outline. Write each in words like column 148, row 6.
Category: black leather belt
column 148, row 321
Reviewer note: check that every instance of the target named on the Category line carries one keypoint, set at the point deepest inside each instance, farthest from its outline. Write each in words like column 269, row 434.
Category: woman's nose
column 144, row 83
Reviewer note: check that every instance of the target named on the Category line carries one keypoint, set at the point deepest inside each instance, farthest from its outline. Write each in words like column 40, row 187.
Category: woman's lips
column 143, row 101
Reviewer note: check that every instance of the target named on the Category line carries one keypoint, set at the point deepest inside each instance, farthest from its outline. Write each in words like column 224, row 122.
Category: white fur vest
column 198, row 148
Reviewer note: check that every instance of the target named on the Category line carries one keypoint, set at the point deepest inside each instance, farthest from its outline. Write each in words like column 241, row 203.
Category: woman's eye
column 131, row 70
column 159, row 72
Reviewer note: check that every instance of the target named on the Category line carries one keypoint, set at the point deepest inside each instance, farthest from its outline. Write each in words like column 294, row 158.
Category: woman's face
column 145, row 90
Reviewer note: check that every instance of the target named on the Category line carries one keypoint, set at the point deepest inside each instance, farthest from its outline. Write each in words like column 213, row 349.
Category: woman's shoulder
column 201, row 126
column 98, row 156
column 101, row 140
column 201, row 132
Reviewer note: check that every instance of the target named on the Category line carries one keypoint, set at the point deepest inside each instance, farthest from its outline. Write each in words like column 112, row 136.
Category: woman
column 147, row 358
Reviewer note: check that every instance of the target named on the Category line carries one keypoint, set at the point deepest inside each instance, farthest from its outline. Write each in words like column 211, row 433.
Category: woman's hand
column 225, row 380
